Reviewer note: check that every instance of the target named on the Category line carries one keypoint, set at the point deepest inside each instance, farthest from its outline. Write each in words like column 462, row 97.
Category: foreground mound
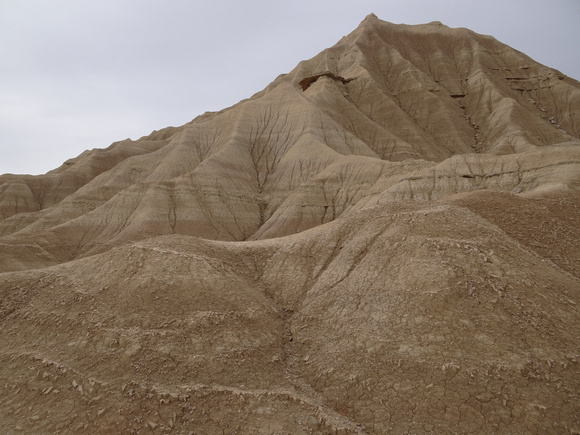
column 415, row 318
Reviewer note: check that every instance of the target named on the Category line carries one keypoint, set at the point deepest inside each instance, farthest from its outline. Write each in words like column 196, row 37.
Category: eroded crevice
column 172, row 214
column 308, row 81
column 293, row 359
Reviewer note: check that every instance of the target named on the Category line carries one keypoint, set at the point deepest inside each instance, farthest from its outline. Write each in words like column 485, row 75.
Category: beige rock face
column 384, row 240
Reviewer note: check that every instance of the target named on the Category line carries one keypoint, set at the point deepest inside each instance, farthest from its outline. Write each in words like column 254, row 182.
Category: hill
column 383, row 240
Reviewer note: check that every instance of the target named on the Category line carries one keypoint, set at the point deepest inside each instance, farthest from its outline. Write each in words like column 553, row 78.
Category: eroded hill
column 383, row 240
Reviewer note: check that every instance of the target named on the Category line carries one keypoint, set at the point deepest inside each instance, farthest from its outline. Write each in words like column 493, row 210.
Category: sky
column 80, row 74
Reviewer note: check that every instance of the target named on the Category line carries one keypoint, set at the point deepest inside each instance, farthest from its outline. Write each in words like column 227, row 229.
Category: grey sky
column 76, row 74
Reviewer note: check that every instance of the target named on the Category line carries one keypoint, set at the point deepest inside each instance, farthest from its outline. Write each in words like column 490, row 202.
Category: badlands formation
column 384, row 240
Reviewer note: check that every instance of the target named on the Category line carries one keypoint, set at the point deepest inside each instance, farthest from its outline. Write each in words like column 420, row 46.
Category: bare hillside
column 383, row 240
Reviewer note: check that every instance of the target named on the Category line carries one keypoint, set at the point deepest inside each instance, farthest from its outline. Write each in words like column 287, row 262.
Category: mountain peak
column 393, row 93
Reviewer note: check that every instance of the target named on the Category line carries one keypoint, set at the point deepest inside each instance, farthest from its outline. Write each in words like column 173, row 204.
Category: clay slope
column 444, row 317
column 387, row 101
column 384, row 240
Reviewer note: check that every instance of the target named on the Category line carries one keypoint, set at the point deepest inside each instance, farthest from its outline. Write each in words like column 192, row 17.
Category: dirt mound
column 384, row 240
column 398, row 318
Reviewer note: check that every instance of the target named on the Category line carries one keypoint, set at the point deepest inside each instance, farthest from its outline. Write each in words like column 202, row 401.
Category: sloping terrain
column 413, row 96
column 399, row 318
column 384, row 240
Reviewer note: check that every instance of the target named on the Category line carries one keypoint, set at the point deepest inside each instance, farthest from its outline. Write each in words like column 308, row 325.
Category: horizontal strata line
column 491, row 174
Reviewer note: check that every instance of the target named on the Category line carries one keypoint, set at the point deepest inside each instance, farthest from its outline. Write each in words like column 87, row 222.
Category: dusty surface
column 384, row 240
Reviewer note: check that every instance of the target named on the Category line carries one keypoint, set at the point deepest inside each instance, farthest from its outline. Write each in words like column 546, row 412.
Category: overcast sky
column 80, row 74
